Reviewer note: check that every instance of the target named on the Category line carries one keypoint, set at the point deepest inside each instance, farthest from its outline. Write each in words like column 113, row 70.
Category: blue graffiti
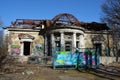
column 79, row 59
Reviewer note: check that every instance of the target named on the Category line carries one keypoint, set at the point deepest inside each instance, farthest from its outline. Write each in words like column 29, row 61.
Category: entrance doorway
column 98, row 48
column 26, row 48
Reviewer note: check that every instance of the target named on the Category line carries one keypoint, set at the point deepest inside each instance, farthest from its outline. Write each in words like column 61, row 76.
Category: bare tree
column 111, row 16
column 3, row 47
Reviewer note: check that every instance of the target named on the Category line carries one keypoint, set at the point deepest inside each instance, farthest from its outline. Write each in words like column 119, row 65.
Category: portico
column 67, row 39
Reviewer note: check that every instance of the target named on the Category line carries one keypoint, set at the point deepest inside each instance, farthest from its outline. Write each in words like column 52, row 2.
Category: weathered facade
column 63, row 32
column 24, row 42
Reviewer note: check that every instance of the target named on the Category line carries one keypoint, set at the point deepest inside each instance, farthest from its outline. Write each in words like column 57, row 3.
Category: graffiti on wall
column 15, row 50
column 79, row 59
column 38, row 50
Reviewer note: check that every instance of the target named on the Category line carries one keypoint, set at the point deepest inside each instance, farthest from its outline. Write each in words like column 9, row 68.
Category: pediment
column 25, row 36
column 98, row 38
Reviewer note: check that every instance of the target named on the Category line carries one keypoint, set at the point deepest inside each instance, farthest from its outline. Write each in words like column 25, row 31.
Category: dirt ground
column 43, row 72
column 11, row 69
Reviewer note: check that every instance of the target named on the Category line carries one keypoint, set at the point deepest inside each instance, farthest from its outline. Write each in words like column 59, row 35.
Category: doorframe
column 100, row 45
column 26, row 45
column 22, row 45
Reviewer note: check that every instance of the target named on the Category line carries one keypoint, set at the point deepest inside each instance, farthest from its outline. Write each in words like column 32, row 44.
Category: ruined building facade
column 64, row 32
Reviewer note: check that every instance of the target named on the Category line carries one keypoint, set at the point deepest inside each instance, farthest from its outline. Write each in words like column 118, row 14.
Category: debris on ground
column 13, row 70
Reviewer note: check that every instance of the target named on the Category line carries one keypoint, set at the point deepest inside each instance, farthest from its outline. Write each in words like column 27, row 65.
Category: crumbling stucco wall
column 107, row 42
column 107, row 60
column 15, row 43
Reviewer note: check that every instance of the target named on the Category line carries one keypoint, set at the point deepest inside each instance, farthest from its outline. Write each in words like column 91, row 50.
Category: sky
column 83, row 10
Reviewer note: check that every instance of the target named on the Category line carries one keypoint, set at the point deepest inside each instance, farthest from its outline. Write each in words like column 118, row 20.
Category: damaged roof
column 58, row 20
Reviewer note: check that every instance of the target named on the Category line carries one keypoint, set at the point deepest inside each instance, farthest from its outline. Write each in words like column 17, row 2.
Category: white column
column 62, row 42
column 21, row 49
column 82, row 42
column 74, row 40
column 52, row 40
column 52, row 43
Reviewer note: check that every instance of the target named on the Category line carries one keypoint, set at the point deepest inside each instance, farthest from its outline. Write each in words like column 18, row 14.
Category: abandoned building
column 27, row 37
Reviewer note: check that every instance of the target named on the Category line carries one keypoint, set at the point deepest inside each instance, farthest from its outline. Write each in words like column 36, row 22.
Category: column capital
column 74, row 32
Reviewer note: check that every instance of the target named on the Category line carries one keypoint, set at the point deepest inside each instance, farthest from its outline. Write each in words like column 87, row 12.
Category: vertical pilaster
column 31, row 46
column 21, row 49
column 82, row 42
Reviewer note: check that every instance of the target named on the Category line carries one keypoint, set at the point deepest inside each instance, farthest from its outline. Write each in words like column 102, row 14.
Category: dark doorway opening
column 98, row 48
column 49, row 45
column 26, row 48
